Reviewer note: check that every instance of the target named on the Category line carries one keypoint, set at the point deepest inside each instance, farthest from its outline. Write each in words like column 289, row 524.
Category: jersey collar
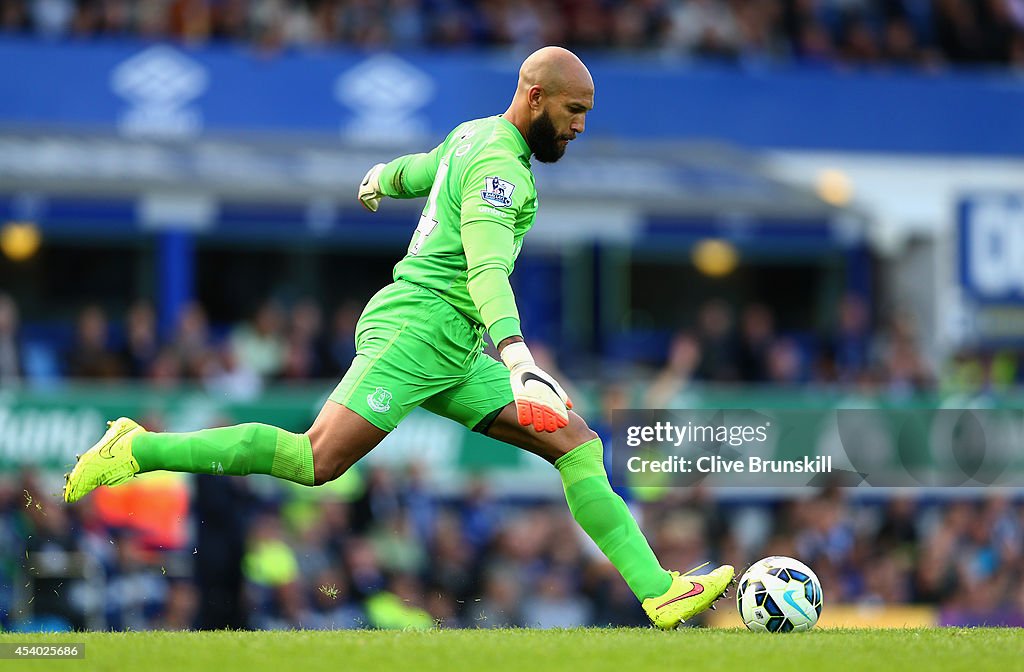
column 524, row 149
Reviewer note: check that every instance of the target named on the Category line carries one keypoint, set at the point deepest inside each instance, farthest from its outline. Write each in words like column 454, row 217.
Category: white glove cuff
column 516, row 354
column 372, row 177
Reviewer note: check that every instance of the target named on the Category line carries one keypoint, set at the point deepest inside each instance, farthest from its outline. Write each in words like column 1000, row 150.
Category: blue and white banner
column 991, row 248
column 166, row 91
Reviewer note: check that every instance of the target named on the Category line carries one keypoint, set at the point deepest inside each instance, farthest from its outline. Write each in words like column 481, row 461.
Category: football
column 779, row 594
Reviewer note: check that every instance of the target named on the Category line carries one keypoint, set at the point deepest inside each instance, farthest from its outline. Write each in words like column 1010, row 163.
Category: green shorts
column 413, row 349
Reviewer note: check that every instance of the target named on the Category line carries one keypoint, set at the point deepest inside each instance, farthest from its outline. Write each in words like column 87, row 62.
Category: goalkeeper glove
column 369, row 188
column 540, row 401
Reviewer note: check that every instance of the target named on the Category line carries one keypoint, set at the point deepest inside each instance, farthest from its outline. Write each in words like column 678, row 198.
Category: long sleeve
column 489, row 249
column 489, row 241
column 410, row 176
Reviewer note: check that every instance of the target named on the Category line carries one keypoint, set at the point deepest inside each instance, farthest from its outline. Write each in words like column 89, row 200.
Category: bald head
column 554, row 94
column 556, row 70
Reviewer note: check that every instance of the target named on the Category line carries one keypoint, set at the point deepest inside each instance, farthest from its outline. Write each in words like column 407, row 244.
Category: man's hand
column 540, row 401
column 369, row 188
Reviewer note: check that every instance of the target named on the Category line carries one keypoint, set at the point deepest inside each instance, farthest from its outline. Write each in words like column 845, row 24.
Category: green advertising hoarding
column 44, row 429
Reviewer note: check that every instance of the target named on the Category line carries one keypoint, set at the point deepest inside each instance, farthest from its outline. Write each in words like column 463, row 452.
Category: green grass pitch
column 582, row 650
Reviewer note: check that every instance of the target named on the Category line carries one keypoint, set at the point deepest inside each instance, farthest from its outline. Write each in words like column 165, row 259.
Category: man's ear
column 535, row 96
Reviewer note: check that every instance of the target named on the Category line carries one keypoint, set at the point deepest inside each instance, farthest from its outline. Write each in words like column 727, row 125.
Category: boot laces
column 691, row 571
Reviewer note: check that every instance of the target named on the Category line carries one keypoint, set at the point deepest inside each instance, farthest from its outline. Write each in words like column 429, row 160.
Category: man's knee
column 576, row 434
column 332, row 454
column 328, row 461
column 339, row 438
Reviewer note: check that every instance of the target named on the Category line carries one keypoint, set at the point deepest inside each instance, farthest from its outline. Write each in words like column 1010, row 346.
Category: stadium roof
column 678, row 179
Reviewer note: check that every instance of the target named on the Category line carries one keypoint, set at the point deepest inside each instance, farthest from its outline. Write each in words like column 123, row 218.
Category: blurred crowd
column 384, row 550
column 919, row 33
column 725, row 345
column 744, row 346
column 278, row 343
column 392, row 555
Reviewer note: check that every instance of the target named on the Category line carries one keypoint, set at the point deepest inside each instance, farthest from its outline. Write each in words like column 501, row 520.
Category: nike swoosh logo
column 105, row 450
column 696, row 590
column 527, row 377
column 788, row 597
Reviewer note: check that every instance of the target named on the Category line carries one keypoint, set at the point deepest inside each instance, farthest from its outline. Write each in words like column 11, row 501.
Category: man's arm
column 409, row 176
column 488, row 245
column 488, row 239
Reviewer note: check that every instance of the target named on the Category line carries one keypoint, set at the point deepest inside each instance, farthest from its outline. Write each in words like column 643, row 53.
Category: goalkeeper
column 420, row 342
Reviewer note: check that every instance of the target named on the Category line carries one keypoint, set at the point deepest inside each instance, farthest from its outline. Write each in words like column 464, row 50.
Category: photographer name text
column 714, row 464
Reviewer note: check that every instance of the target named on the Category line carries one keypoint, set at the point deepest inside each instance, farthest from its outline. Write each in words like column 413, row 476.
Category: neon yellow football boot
column 688, row 596
column 108, row 462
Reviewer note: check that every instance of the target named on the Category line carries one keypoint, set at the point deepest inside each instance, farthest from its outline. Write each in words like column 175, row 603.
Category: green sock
column 606, row 519
column 240, row 450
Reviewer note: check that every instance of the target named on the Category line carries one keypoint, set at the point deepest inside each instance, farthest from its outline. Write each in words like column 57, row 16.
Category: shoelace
column 691, row 571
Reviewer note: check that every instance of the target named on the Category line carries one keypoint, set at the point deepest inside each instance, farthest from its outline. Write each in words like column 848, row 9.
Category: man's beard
column 543, row 139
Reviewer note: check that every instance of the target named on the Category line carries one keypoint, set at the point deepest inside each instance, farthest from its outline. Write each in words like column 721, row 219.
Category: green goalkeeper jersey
column 481, row 201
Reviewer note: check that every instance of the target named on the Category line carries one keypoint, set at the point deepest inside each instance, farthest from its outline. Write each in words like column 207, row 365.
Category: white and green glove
column 540, row 401
column 369, row 188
